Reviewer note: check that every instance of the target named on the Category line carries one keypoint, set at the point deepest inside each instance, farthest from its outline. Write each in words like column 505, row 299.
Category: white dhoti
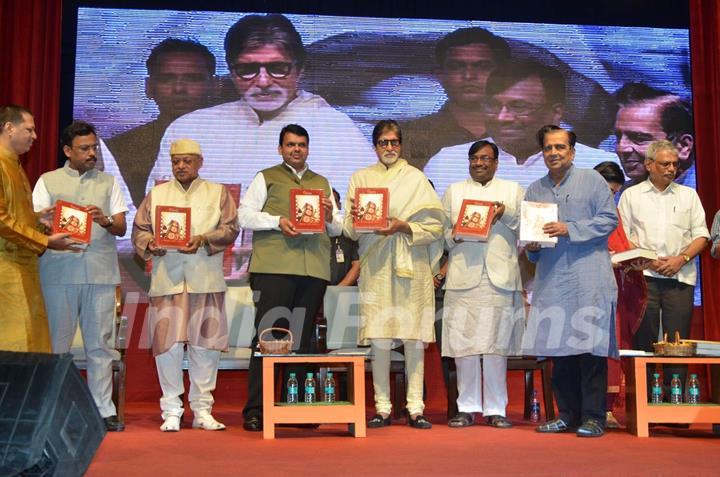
column 481, row 327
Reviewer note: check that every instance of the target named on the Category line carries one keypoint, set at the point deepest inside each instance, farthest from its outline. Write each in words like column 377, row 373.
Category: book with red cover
column 306, row 210
column 172, row 226
column 474, row 221
column 72, row 219
column 372, row 206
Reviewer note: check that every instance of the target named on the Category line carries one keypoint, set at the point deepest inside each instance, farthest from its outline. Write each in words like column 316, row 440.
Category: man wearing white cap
column 187, row 290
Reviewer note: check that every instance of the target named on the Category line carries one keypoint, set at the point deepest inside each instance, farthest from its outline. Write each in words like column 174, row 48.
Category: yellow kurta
column 397, row 296
column 23, row 322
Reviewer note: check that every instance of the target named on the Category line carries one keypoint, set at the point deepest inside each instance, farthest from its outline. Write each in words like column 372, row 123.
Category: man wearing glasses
column 661, row 215
column 522, row 97
column 81, row 286
column 266, row 57
column 397, row 298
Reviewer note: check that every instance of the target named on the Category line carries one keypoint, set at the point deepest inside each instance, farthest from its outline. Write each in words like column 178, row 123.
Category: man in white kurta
column 397, row 296
column 483, row 312
column 187, row 291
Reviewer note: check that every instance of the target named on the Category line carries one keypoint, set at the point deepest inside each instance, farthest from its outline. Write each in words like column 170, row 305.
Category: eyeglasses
column 386, row 142
column 484, row 159
column 276, row 69
column 516, row 108
column 89, row 147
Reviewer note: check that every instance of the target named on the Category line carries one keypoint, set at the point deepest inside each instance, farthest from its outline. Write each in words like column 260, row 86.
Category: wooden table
column 640, row 412
column 351, row 412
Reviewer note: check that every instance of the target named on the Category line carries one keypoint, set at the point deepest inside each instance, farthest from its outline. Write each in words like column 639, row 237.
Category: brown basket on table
column 678, row 348
column 275, row 346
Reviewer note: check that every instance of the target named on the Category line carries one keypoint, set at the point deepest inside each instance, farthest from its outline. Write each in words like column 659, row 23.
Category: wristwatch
column 439, row 277
column 686, row 257
column 110, row 222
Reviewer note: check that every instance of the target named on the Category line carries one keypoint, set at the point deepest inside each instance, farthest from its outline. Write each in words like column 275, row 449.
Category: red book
column 307, row 211
column 372, row 207
column 172, row 226
column 72, row 219
column 474, row 221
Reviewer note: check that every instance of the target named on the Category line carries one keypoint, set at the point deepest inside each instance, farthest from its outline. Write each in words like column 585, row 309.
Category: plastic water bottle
column 676, row 390
column 693, row 390
column 310, row 388
column 329, row 388
column 656, row 390
column 534, row 407
column 292, row 389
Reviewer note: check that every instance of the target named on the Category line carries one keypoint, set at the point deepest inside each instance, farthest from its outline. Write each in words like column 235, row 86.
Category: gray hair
column 657, row 146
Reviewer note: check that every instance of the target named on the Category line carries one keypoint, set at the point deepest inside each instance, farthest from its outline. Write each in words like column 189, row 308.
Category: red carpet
column 397, row 450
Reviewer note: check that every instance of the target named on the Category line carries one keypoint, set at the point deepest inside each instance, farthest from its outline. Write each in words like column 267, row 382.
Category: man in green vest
column 289, row 270
column 81, row 286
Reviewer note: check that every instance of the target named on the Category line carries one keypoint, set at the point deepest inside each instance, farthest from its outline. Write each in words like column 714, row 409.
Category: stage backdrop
column 358, row 70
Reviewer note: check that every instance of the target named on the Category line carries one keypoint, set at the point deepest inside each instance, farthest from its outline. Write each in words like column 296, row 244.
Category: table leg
column 268, row 365
column 357, row 377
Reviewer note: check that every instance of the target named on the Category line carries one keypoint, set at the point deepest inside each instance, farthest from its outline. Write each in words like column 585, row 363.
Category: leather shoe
column 113, row 424
column 499, row 421
column 462, row 419
column 253, row 424
column 378, row 421
column 420, row 422
column 554, row 426
column 590, row 428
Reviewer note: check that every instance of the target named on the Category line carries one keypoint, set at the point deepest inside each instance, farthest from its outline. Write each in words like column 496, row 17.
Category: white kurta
column 396, row 288
column 483, row 309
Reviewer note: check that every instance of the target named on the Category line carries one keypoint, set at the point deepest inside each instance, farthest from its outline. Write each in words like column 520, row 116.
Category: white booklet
column 533, row 216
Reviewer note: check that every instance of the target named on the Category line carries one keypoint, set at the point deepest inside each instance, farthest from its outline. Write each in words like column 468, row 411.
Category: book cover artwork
column 172, row 226
column 474, row 220
column 533, row 216
column 307, row 210
column 72, row 219
column 372, row 206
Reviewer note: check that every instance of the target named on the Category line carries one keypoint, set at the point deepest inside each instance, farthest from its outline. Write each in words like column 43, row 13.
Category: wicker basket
column 275, row 346
column 678, row 348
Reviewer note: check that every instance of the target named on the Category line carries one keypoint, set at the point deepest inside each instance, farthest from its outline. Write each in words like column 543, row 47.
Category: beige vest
column 199, row 272
column 273, row 252
column 98, row 264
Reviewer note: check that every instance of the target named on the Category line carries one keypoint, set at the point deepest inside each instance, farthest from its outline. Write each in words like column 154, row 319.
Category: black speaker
column 49, row 425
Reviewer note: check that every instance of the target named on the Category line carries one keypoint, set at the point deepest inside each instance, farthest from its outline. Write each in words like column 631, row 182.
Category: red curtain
column 705, row 51
column 30, row 33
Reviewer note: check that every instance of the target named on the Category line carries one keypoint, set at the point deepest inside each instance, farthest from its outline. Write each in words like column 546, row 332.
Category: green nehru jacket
column 273, row 252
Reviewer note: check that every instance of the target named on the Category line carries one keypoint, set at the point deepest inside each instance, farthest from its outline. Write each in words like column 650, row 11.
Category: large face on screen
column 516, row 114
column 636, row 126
column 465, row 72
column 180, row 83
column 294, row 150
column 266, row 77
column 82, row 154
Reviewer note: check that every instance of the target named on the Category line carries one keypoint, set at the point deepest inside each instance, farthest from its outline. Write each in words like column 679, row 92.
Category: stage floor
column 142, row 450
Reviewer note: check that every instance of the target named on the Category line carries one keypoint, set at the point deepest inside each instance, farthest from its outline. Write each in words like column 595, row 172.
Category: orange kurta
column 23, row 322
